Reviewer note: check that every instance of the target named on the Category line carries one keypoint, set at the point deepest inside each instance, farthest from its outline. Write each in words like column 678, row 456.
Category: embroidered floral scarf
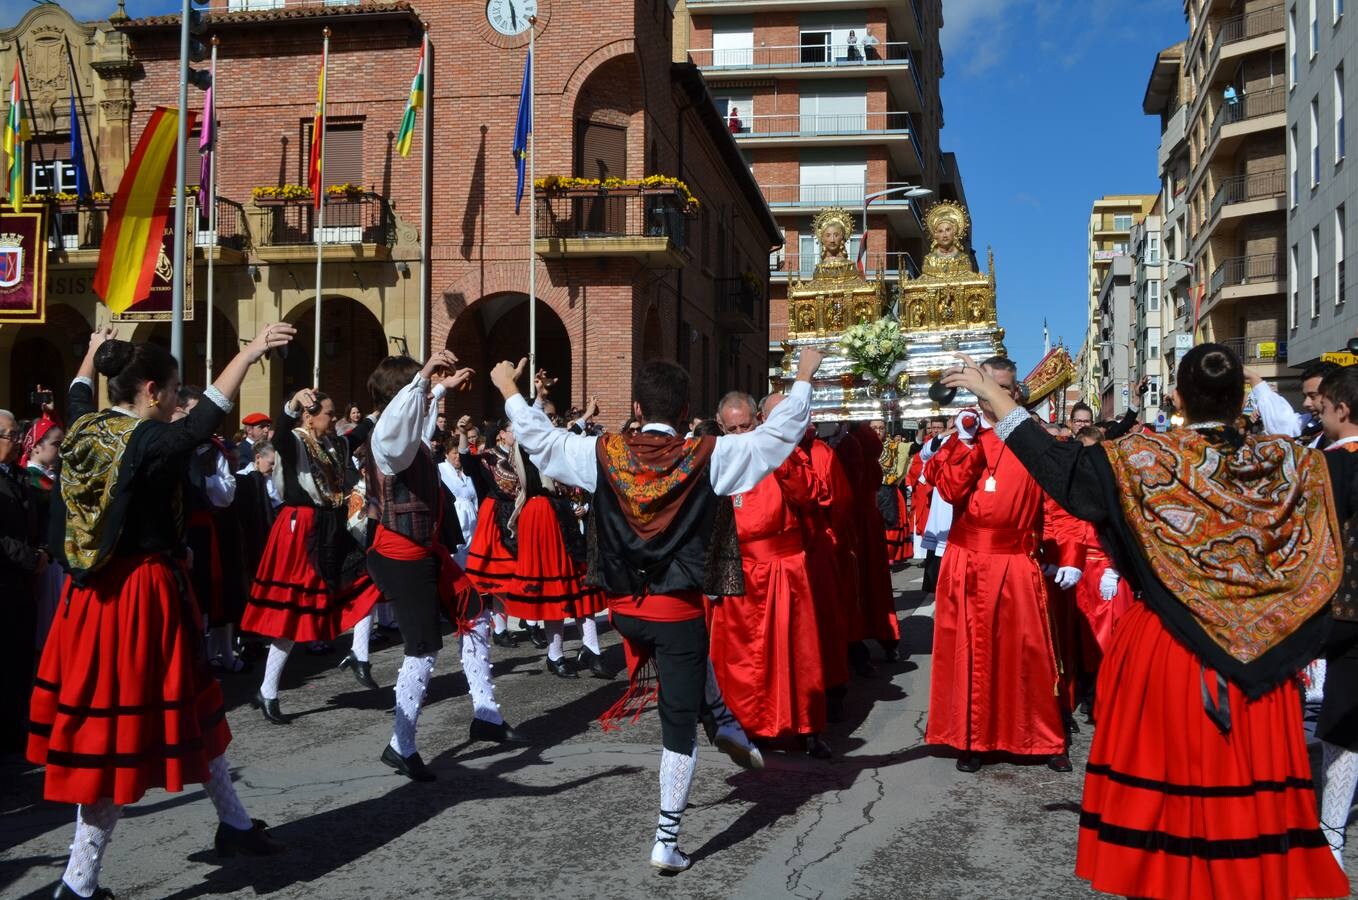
column 91, row 476
column 651, row 474
column 1245, row 537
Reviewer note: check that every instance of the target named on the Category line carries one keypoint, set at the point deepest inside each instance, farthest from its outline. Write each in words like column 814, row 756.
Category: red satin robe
column 1062, row 547
column 994, row 685
column 877, row 596
column 766, row 645
column 835, row 599
column 1097, row 616
column 920, row 495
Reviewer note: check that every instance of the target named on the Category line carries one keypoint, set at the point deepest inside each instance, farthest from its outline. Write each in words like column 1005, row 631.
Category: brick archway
column 352, row 344
column 496, row 328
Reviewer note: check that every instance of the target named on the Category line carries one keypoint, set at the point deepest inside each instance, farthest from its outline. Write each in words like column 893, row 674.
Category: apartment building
column 1235, row 68
column 1150, row 312
column 832, row 103
column 1322, row 185
column 1110, row 237
column 1117, row 327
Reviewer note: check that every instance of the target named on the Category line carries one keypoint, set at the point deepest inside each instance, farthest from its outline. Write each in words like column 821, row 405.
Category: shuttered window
column 343, row 153
column 601, row 151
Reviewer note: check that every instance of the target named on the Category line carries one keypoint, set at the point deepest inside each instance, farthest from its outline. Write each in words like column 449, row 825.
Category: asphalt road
column 572, row 814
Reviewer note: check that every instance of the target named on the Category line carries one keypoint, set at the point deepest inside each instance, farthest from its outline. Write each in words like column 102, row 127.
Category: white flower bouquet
column 874, row 349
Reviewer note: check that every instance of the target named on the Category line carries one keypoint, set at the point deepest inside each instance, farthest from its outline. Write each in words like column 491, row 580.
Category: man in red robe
column 765, row 646
column 834, row 567
column 859, row 450
column 994, row 685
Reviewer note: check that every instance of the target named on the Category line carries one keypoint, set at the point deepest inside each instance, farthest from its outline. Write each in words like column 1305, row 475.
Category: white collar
column 1343, row 440
column 124, row 412
column 659, row 428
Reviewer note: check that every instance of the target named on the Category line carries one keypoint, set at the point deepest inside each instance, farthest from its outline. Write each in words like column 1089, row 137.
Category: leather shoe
column 503, row 639
column 64, row 892
column 363, row 672
column 270, row 709
column 1059, row 763
column 252, row 841
column 1072, row 727
column 562, row 668
column 503, row 733
column 588, row 659
column 969, row 763
column 410, row 766
column 538, row 635
column 816, row 748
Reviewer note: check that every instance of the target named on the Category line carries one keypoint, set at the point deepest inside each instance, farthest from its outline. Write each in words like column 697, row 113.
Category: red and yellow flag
column 317, row 140
column 136, row 222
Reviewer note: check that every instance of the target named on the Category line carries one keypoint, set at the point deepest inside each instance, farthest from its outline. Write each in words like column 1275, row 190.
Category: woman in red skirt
column 491, row 563
column 301, row 575
column 123, row 701
column 1198, row 783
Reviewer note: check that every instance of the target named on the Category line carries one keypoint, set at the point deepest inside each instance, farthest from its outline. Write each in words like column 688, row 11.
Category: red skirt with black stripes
column 289, row 599
column 549, row 585
column 123, row 701
column 1175, row 808
column 490, row 565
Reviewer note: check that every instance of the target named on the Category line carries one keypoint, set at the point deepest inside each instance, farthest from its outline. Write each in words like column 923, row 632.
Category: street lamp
column 912, row 191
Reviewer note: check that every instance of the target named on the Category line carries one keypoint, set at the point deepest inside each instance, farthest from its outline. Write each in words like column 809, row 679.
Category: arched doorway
column 47, row 355
column 496, row 328
column 352, row 344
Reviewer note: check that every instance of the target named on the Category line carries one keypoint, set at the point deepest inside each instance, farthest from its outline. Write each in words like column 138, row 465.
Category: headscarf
column 36, row 432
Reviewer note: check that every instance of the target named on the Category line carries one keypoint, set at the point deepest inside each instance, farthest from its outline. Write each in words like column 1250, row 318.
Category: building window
column 1153, row 297
column 1315, row 141
column 1294, row 186
column 1153, row 249
column 243, row 5
column 1292, row 47
column 1315, row 272
column 1338, row 10
column 1122, row 222
column 1340, row 236
column 1293, row 308
column 732, row 44
column 1315, row 29
column 1339, row 114
column 58, row 176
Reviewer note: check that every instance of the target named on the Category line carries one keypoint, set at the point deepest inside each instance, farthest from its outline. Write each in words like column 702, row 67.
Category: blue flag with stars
column 523, row 129
column 82, row 180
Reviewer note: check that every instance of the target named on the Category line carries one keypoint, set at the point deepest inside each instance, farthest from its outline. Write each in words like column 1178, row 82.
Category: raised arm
column 1277, row 414
column 558, row 454
column 399, row 430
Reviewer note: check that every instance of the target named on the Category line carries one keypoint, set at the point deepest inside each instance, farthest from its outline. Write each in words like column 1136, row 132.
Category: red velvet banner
column 23, row 265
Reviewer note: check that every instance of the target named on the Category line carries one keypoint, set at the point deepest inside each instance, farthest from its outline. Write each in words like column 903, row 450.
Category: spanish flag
column 318, row 138
column 136, row 222
column 16, row 133
column 416, row 103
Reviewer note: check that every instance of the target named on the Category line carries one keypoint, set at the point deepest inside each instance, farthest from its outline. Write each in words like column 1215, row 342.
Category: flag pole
column 532, row 213
column 181, row 143
column 212, row 210
column 27, row 97
column 425, row 153
column 320, row 211
column 97, row 180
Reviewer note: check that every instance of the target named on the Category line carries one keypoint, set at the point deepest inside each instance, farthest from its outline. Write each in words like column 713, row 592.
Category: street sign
column 1340, row 358
column 1183, row 342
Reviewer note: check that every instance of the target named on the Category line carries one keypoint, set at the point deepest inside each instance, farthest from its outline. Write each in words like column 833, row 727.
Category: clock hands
column 513, row 16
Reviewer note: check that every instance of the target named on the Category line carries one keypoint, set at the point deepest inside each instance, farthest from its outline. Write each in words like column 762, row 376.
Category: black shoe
column 815, row 747
column 890, row 651
column 252, row 841
column 64, row 892
column 969, row 763
column 503, row 733
column 270, row 709
column 410, row 766
column 562, row 668
column 1059, row 763
column 363, row 672
column 588, row 659
column 538, row 635
column 503, row 639
column 1072, row 727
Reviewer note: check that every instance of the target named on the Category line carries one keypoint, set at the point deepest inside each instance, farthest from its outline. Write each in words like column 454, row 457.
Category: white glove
column 1108, row 584
column 1067, row 577
column 964, row 431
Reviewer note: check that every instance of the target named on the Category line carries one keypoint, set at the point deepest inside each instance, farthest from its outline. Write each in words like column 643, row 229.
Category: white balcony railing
column 803, row 56
column 820, row 124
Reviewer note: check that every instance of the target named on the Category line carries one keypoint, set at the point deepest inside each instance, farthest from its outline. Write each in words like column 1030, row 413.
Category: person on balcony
column 733, row 121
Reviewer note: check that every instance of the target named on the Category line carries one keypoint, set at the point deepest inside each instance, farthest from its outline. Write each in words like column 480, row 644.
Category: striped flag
column 413, row 107
column 136, row 222
column 16, row 132
column 207, row 137
column 317, row 140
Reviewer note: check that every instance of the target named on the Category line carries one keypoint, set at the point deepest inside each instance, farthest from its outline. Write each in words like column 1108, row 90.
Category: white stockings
column 476, row 666
column 1341, row 776
column 273, row 667
column 363, row 632
column 411, row 685
column 93, row 829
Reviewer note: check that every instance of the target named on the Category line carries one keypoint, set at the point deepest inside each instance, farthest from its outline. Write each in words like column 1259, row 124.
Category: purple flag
column 206, row 136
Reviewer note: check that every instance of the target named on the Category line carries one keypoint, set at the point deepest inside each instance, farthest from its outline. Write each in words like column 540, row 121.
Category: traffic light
column 197, row 22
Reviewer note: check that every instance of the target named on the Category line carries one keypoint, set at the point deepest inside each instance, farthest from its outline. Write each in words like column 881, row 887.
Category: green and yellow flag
column 414, row 106
column 16, row 133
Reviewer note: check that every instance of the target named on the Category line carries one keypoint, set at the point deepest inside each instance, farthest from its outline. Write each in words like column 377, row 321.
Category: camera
column 1144, row 389
column 40, row 398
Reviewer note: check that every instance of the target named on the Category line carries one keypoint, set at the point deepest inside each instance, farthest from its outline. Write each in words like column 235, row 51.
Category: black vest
column 697, row 552
column 407, row 502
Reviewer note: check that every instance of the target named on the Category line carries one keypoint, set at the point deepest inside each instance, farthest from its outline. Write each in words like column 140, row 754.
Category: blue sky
column 1042, row 104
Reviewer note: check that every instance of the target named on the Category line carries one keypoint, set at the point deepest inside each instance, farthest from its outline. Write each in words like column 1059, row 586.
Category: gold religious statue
column 832, row 228
column 947, row 223
column 837, row 295
column 949, row 294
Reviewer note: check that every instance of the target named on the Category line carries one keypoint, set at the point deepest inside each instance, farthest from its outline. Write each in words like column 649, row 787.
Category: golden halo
column 834, row 216
column 947, row 211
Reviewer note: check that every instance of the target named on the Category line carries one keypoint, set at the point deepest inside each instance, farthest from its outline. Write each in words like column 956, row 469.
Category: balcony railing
column 612, row 214
column 802, row 56
column 82, row 227
column 230, row 227
column 737, row 300
column 1258, row 349
column 822, row 124
column 887, row 265
column 1255, row 186
column 1240, row 270
column 1255, row 104
column 815, row 196
column 365, row 219
column 1249, row 25
column 914, row 74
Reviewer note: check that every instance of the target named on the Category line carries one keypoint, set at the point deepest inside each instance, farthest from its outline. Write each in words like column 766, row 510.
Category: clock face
column 510, row 17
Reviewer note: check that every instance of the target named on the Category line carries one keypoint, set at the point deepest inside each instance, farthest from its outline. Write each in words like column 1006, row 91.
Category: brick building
column 830, row 102
column 622, row 275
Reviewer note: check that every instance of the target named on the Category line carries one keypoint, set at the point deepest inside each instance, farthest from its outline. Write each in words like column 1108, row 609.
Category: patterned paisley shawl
column 652, row 474
column 91, row 474
column 1245, row 537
